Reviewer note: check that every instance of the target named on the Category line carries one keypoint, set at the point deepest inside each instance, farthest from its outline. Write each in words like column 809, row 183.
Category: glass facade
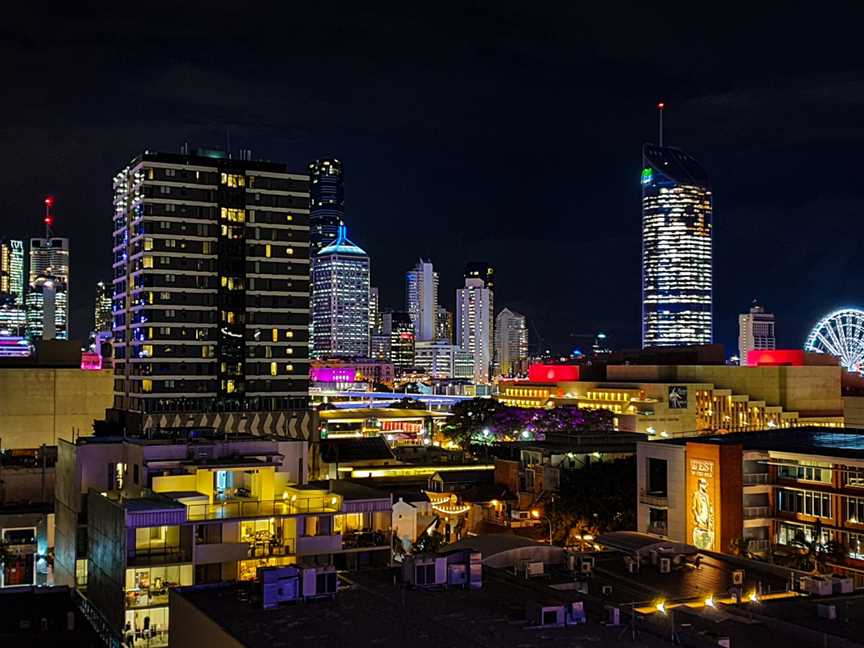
column 676, row 249
column 326, row 202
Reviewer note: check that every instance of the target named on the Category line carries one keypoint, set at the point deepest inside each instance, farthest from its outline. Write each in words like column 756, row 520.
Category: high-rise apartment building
column 474, row 325
column 511, row 343
column 443, row 360
column 47, row 300
column 211, row 284
column 676, row 249
column 103, row 319
column 326, row 202
column 481, row 270
column 421, row 300
column 340, row 300
column 755, row 332
column 444, row 325
column 12, row 271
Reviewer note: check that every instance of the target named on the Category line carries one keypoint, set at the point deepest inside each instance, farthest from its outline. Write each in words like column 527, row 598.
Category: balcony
column 756, row 545
column 753, row 512
column 366, row 540
column 322, row 544
column 658, row 528
column 756, row 479
column 247, row 509
column 653, row 498
column 158, row 556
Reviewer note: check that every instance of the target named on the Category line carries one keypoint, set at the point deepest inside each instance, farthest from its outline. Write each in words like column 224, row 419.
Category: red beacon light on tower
column 49, row 218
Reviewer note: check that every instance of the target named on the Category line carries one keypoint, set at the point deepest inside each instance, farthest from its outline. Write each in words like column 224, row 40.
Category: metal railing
column 758, row 545
column 262, row 508
column 158, row 556
column 751, row 512
column 658, row 528
column 366, row 539
column 263, row 549
column 755, row 479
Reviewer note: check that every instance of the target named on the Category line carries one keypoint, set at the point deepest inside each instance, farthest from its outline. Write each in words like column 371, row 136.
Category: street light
column 536, row 515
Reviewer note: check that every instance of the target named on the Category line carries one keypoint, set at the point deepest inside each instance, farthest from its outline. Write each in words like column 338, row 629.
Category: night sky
column 501, row 132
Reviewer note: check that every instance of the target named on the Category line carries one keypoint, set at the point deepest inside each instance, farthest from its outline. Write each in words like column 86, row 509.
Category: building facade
column 442, row 360
column 511, row 343
column 340, row 300
column 474, row 325
column 758, row 492
column 677, row 270
column 421, row 300
column 103, row 318
column 326, row 202
column 398, row 330
column 12, row 271
column 444, row 325
column 211, row 285
column 755, row 332
column 47, row 300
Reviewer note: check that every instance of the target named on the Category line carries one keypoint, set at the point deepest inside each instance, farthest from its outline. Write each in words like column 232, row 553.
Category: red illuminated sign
column 553, row 373
column 91, row 361
column 776, row 358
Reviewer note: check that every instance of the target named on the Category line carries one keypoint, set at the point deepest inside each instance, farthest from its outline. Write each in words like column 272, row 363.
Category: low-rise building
column 757, row 491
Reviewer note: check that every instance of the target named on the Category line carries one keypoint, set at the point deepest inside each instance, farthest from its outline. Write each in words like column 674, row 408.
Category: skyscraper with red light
column 677, row 212
column 47, row 302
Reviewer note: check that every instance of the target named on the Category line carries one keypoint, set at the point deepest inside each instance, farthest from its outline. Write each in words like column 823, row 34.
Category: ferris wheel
column 840, row 333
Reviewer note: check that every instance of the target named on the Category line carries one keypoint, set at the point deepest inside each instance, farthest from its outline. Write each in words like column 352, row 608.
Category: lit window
column 267, row 250
column 147, row 262
column 148, row 244
column 274, row 369
column 229, row 386
column 146, row 385
column 275, row 335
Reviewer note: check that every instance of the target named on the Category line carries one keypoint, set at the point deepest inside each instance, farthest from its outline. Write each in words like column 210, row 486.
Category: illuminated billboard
column 553, row 373
column 714, row 495
column 333, row 374
column 677, row 397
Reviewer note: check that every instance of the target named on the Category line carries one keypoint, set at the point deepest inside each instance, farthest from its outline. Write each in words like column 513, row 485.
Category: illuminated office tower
column 326, row 202
column 47, row 309
column 340, row 300
column 12, row 270
column 676, row 249
column 399, row 330
column 102, row 317
column 511, row 343
column 421, row 300
column 211, row 285
column 473, row 325
column 374, row 311
column 755, row 332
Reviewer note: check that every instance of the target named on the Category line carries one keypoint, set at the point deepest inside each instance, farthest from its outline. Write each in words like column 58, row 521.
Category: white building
column 440, row 359
column 511, row 343
column 340, row 300
column 474, row 324
column 421, row 299
column 755, row 332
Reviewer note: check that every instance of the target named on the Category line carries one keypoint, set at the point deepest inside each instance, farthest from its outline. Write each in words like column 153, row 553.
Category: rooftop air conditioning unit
column 319, row 581
column 606, row 590
column 279, row 585
column 665, row 565
column 426, row 572
column 613, row 615
column 531, row 568
column 550, row 615
column 824, row 611
column 586, row 564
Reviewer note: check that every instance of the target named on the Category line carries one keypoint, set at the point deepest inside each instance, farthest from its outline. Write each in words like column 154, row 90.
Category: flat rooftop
column 821, row 441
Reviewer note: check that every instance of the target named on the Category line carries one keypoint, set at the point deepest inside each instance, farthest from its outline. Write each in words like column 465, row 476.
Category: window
column 135, row 474
column 274, row 369
column 268, row 250
column 147, row 262
column 275, row 335
column 146, row 385
column 657, row 477
column 148, row 243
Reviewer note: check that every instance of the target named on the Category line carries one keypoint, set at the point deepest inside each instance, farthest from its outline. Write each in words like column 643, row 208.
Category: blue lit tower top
column 326, row 201
column 676, row 249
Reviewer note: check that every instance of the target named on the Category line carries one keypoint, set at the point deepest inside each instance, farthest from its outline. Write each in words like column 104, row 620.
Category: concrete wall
column 189, row 626
column 674, row 455
column 800, row 389
column 853, row 411
column 42, row 405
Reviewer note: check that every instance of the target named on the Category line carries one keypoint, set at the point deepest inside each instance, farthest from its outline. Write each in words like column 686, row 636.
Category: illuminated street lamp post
column 536, row 515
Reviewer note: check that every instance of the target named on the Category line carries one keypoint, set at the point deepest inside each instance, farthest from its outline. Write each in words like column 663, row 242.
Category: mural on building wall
column 702, row 507
column 677, row 397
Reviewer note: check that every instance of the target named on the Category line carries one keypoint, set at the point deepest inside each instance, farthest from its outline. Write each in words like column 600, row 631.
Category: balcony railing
column 653, row 498
column 658, row 528
column 758, row 545
column 246, row 509
column 756, row 479
column 158, row 556
column 751, row 512
column 366, row 539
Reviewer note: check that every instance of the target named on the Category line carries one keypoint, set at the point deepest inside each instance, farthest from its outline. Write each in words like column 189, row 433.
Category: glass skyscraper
column 326, row 202
column 340, row 300
column 676, row 249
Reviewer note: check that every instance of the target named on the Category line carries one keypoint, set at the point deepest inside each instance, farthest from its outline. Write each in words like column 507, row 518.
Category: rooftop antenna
column 660, row 107
column 49, row 217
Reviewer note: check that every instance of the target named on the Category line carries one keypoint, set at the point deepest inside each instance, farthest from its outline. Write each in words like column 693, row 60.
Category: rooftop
column 846, row 443
column 356, row 449
column 350, row 490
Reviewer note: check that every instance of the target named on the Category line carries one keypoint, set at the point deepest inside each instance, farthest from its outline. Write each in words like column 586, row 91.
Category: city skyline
column 737, row 126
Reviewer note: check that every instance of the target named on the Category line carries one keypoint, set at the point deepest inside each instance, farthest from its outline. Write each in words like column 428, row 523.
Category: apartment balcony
column 658, row 528
column 322, row 544
column 756, row 479
column 653, row 498
column 158, row 556
column 756, row 545
column 754, row 512
column 221, row 552
column 249, row 509
column 363, row 540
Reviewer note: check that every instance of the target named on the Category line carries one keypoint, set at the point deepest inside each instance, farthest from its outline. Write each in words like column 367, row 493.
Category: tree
column 469, row 419
column 813, row 554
